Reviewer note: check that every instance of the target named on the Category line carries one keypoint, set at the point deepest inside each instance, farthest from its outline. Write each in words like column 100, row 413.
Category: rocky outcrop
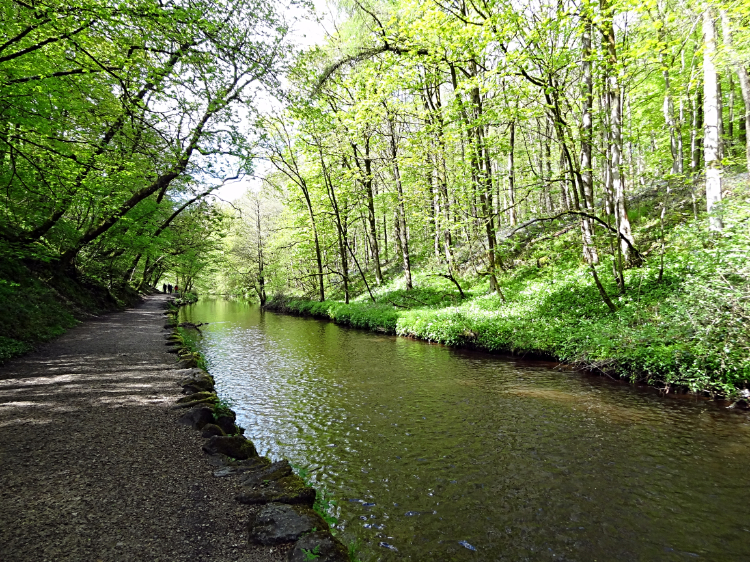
column 196, row 380
column 291, row 489
column 188, row 363
column 203, row 395
column 211, row 430
column 191, row 403
column 197, row 418
column 274, row 471
column 227, row 425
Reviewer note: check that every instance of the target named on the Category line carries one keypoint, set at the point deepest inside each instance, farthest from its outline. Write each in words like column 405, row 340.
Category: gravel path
column 92, row 463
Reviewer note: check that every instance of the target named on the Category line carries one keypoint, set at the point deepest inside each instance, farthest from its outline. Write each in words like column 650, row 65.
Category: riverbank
column 94, row 463
column 412, row 440
column 292, row 512
column 684, row 329
column 679, row 320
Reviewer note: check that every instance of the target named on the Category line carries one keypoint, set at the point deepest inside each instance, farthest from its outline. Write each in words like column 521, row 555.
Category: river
column 432, row 453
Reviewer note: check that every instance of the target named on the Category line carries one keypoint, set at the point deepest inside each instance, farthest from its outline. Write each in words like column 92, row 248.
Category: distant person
column 164, row 288
column 169, row 288
column 176, row 289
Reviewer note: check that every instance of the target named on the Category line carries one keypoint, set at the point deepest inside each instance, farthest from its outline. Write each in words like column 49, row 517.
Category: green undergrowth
column 38, row 303
column 186, row 298
column 325, row 506
column 189, row 343
column 689, row 329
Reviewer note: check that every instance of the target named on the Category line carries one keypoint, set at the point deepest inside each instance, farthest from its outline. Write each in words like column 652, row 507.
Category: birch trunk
column 587, row 172
column 711, row 136
column 615, row 129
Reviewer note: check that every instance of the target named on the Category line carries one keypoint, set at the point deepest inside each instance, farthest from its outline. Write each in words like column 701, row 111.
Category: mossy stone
column 197, row 418
column 322, row 544
column 233, row 446
column 289, row 489
column 227, row 424
column 210, row 429
column 278, row 523
column 205, row 401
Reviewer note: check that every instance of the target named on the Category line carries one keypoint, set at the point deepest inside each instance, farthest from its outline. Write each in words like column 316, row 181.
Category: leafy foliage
column 522, row 178
column 118, row 120
column 689, row 330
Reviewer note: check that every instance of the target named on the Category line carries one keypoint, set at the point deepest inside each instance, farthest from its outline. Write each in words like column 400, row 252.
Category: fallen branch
column 451, row 278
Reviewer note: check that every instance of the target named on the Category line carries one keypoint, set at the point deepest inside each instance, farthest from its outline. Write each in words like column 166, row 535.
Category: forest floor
column 92, row 462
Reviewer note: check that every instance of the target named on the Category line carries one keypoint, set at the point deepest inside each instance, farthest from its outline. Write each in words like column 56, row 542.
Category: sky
column 305, row 33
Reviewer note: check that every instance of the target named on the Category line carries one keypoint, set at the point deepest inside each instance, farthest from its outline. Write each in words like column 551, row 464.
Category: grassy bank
column 38, row 303
column 690, row 328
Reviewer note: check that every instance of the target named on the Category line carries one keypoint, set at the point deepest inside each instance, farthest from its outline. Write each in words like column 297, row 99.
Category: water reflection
column 439, row 454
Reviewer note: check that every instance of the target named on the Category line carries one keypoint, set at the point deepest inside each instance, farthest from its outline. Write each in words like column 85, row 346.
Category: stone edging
column 286, row 514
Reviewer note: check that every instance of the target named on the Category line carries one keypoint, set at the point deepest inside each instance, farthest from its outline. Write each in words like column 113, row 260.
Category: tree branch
column 579, row 213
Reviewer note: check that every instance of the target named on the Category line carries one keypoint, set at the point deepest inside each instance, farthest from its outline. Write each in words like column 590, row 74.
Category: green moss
column 191, row 346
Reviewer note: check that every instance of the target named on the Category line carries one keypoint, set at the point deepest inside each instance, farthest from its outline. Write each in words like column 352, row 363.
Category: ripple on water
column 458, row 452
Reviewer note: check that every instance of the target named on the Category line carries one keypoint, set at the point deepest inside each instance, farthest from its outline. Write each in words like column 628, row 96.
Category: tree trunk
column 730, row 116
column 742, row 77
column 401, row 227
column 711, row 138
column 488, row 211
column 371, row 221
column 548, row 160
column 261, row 275
column 611, row 207
column 476, row 156
column 587, row 172
column 615, row 130
column 318, row 258
column 340, row 229
column 285, row 162
column 669, row 119
column 385, row 235
column 696, row 125
column 512, row 215
column 442, row 179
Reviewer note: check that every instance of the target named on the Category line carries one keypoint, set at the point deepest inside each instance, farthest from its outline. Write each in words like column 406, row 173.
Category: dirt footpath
column 92, row 463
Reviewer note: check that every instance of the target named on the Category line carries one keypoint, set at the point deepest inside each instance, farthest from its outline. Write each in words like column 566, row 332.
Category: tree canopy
column 467, row 149
column 116, row 119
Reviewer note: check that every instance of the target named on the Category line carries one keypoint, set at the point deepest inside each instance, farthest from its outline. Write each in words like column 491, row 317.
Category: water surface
column 434, row 453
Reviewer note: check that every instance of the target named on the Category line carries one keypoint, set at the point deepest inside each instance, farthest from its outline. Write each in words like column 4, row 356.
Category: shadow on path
column 92, row 463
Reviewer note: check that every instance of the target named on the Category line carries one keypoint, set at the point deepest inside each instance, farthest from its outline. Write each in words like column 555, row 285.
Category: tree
column 105, row 109
column 712, row 118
